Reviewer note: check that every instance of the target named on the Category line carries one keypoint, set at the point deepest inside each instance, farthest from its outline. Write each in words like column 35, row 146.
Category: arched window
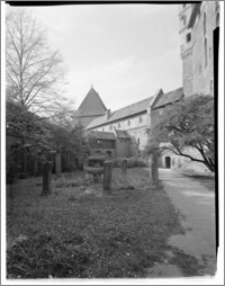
column 188, row 37
column 205, row 51
column 204, row 23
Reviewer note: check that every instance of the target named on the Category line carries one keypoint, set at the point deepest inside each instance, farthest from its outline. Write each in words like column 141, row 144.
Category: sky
column 126, row 52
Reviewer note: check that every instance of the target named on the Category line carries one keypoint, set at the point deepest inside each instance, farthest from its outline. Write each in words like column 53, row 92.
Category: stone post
column 107, row 175
column 124, row 167
column 154, row 176
column 47, row 178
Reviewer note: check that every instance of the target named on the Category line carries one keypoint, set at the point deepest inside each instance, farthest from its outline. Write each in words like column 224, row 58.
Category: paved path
column 196, row 205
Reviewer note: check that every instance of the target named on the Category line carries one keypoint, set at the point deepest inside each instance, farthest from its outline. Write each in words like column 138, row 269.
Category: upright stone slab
column 154, row 176
column 47, row 178
column 124, row 166
column 58, row 164
column 107, row 175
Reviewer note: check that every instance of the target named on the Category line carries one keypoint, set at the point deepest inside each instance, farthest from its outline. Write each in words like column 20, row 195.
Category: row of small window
column 128, row 123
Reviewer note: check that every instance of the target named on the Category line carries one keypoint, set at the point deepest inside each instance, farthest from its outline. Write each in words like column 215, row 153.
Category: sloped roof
column 97, row 121
column 122, row 134
column 102, row 135
column 91, row 105
column 132, row 109
column 169, row 97
column 194, row 14
column 127, row 111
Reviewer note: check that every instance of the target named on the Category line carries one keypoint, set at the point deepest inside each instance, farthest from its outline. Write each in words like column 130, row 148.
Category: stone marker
column 154, row 176
column 124, row 166
column 107, row 175
column 47, row 178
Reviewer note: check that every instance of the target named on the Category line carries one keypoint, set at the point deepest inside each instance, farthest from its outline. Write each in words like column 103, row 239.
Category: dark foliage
column 187, row 123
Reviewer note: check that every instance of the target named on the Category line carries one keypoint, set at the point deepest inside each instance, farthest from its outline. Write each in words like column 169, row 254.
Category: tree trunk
column 58, row 164
column 47, row 178
column 35, row 162
column 24, row 155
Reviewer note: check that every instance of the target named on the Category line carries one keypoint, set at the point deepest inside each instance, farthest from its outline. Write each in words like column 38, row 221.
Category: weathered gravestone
column 124, row 166
column 154, row 175
column 47, row 178
column 107, row 176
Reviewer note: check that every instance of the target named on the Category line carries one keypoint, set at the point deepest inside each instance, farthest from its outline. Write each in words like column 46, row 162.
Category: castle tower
column 198, row 24
column 91, row 107
column 185, row 11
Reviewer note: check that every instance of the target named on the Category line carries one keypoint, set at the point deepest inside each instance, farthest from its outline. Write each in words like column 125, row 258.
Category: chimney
column 108, row 113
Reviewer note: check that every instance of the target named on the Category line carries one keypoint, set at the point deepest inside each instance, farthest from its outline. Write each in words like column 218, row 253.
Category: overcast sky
column 127, row 52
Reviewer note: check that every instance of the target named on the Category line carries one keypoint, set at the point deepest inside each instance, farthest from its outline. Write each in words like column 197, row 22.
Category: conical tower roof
column 92, row 105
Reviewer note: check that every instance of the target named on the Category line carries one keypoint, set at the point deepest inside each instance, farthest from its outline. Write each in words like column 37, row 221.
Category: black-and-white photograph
column 110, row 115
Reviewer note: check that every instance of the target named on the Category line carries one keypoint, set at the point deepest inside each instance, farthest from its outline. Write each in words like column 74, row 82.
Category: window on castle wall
column 205, row 51
column 204, row 24
column 110, row 127
column 188, row 37
column 216, row 4
column 140, row 119
column 118, row 125
column 210, row 52
column 103, row 129
column 128, row 122
column 184, row 20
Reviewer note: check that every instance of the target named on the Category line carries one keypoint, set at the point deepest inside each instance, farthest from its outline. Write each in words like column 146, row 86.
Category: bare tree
column 34, row 73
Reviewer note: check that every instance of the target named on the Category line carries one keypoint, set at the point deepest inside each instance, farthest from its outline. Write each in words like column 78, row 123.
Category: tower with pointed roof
column 90, row 108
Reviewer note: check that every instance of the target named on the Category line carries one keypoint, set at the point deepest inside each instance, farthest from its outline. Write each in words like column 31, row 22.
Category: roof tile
column 169, row 97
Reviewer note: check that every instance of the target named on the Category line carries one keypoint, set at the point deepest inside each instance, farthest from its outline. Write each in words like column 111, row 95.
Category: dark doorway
column 168, row 162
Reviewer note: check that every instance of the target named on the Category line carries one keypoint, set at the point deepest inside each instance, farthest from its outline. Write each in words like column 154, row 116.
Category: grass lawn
column 79, row 231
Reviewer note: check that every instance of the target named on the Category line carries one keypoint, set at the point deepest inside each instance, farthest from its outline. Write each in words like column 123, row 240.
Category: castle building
column 122, row 133
column 197, row 25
